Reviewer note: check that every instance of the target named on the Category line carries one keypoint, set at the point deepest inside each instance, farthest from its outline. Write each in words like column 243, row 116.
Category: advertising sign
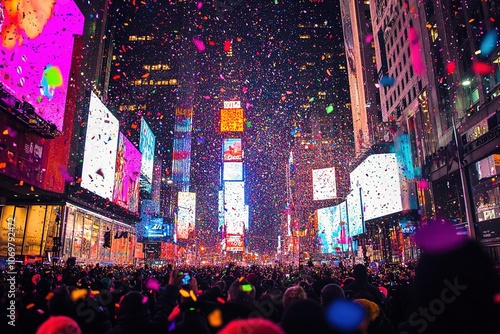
column 36, row 53
column 232, row 149
column 231, row 120
column 324, row 184
column 235, row 243
column 101, row 142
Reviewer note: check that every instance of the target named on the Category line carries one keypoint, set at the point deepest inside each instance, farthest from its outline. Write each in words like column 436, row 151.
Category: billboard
column 147, row 143
column 234, row 207
column 380, row 183
column 324, row 184
column 231, row 120
column 232, row 149
column 101, row 142
column 355, row 216
column 155, row 229
column 127, row 174
column 235, row 243
column 36, row 54
column 332, row 228
column 232, row 171
column 186, row 214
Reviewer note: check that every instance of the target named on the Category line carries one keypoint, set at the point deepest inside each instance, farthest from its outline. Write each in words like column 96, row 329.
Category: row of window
column 157, row 67
column 141, row 82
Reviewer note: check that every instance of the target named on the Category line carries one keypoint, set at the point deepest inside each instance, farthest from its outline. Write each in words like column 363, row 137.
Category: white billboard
column 379, row 179
column 101, row 142
column 355, row 216
column 233, row 171
column 186, row 214
column 324, row 184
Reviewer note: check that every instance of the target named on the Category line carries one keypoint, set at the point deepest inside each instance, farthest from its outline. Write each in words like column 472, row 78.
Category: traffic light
column 107, row 240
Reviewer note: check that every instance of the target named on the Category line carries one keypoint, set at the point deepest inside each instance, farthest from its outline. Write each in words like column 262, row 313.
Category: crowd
column 452, row 291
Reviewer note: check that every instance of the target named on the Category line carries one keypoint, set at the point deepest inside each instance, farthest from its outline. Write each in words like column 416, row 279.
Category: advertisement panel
column 328, row 229
column 127, row 173
column 379, row 180
column 186, row 214
column 234, row 243
column 101, row 142
column 231, row 120
column 232, row 149
column 147, row 144
column 155, row 229
column 324, row 184
column 36, row 54
column 232, row 171
column 234, row 207
column 355, row 216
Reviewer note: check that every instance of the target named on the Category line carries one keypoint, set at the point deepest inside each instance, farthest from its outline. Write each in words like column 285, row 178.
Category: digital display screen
column 127, row 175
column 324, row 184
column 233, row 171
column 147, row 143
column 355, row 216
column 36, row 54
column 186, row 214
column 101, row 142
column 379, row 180
column 232, row 150
column 231, row 120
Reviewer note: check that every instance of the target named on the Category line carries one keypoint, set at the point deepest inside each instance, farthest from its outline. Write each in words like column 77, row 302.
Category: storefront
column 83, row 237
column 33, row 230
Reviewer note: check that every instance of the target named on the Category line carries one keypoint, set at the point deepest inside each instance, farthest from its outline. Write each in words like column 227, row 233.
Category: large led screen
column 127, row 174
column 232, row 149
column 36, row 53
column 231, row 120
column 147, row 148
column 233, row 171
column 328, row 229
column 186, row 214
column 234, row 207
column 235, row 243
column 101, row 142
column 379, row 180
column 324, row 184
column 355, row 216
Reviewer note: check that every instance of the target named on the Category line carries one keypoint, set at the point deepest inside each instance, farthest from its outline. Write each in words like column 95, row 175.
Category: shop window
column 68, row 234
column 34, row 230
column 77, row 235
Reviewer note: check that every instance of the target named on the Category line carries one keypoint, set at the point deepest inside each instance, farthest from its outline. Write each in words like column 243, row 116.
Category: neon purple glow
column 127, row 173
column 36, row 70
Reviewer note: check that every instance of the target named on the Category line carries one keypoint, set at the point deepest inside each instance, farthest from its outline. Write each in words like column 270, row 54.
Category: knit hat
column 252, row 325
column 59, row 325
column 372, row 309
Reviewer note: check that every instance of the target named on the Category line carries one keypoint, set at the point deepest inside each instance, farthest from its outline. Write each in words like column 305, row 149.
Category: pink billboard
column 36, row 53
column 127, row 175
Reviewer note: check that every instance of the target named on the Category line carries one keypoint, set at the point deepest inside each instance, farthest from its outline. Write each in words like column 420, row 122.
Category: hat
column 372, row 309
column 59, row 325
column 252, row 325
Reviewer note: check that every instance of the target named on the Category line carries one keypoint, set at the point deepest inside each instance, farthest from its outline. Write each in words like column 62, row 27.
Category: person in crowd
column 329, row 293
column 292, row 295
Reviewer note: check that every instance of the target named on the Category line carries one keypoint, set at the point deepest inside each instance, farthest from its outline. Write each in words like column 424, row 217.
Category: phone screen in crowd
column 186, row 278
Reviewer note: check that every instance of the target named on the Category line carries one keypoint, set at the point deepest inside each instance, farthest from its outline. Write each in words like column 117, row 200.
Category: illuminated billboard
column 234, row 207
column 332, row 228
column 101, row 142
column 233, row 171
column 355, row 216
column 186, row 214
column 155, row 229
column 231, row 120
column 232, row 149
column 36, row 54
column 378, row 180
column 147, row 148
column 235, row 243
column 324, row 184
column 127, row 174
